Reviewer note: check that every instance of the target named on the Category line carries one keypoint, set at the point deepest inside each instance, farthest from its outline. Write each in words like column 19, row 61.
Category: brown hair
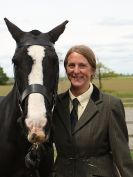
column 85, row 51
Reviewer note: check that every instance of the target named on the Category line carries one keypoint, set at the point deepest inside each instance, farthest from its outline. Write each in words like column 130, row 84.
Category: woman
column 96, row 144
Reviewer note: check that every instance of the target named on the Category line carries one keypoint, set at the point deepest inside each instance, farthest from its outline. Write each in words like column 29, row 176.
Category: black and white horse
column 25, row 113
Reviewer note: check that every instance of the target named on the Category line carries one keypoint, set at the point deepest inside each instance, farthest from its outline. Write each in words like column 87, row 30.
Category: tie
column 74, row 114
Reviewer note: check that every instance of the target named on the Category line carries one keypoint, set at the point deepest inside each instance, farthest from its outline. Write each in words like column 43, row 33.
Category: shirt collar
column 83, row 97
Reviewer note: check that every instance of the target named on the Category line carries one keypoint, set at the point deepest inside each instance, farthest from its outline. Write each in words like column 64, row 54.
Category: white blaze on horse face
column 36, row 113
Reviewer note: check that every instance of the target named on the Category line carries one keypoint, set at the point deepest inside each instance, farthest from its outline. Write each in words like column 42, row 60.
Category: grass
column 118, row 85
column 4, row 89
column 121, row 87
column 132, row 154
column 121, row 84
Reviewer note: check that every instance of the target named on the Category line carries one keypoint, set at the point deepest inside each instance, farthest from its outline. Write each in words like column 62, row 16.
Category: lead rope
column 32, row 159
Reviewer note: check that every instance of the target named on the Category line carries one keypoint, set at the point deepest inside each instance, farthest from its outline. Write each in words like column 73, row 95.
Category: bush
column 3, row 77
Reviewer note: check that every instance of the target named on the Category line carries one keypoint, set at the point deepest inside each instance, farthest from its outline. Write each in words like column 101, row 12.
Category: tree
column 98, row 73
column 104, row 72
column 3, row 77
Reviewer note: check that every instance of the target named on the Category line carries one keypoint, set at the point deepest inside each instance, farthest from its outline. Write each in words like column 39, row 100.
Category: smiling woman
column 90, row 134
column 80, row 68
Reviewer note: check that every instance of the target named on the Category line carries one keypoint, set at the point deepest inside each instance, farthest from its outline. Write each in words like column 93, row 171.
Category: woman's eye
column 82, row 66
column 71, row 65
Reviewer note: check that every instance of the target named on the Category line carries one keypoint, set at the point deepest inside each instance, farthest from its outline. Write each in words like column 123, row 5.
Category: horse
column 26, row 111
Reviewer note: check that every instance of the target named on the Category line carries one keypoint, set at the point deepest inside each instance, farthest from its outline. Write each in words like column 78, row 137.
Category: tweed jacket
column 98, row 146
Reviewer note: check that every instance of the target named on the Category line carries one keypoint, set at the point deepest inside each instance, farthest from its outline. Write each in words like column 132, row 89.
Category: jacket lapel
column 91, row 109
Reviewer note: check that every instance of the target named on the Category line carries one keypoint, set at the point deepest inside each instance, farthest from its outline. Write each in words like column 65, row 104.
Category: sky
column 106, row 26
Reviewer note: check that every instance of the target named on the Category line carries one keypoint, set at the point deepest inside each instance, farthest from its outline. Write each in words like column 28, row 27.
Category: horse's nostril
column 33, row 137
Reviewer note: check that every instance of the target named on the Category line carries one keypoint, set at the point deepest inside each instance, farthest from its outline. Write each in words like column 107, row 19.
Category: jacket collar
column 90, row 110
column 96, row 95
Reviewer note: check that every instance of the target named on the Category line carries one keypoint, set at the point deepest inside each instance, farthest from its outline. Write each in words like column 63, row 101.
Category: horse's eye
column 15, row 62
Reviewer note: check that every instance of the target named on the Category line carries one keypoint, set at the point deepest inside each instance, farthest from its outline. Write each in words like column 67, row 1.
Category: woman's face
column 79, row 71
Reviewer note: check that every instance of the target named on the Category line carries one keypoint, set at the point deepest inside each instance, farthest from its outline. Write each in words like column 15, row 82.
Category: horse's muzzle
column 37, row 136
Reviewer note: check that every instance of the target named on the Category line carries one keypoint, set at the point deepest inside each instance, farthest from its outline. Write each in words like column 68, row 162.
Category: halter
column 35, row 42
column 49, row 96
column 36, row 88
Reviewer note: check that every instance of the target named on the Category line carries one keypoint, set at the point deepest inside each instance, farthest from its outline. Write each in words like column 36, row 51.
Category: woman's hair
column 85, row 51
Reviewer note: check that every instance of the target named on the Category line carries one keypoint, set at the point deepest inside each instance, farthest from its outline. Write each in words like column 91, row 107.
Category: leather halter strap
column 35, row 42
column 36, row 88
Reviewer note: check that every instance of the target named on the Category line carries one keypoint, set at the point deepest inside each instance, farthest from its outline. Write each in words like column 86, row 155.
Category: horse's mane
column 35, row 32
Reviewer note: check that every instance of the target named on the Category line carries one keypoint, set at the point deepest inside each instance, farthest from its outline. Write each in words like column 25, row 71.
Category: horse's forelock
column 35, row 32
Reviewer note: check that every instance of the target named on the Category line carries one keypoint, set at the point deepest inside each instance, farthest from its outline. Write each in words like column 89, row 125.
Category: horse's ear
column 57, row 31
column 14, row 30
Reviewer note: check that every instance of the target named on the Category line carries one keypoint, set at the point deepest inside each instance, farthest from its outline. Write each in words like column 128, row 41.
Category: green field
column 132, row 154
column 4, row 89
column 121, row 87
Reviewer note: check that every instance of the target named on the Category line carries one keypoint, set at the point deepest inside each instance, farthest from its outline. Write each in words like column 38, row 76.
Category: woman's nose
column 76, row 69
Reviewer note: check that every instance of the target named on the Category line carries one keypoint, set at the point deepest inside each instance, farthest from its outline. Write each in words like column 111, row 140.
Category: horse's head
column 36, row 70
